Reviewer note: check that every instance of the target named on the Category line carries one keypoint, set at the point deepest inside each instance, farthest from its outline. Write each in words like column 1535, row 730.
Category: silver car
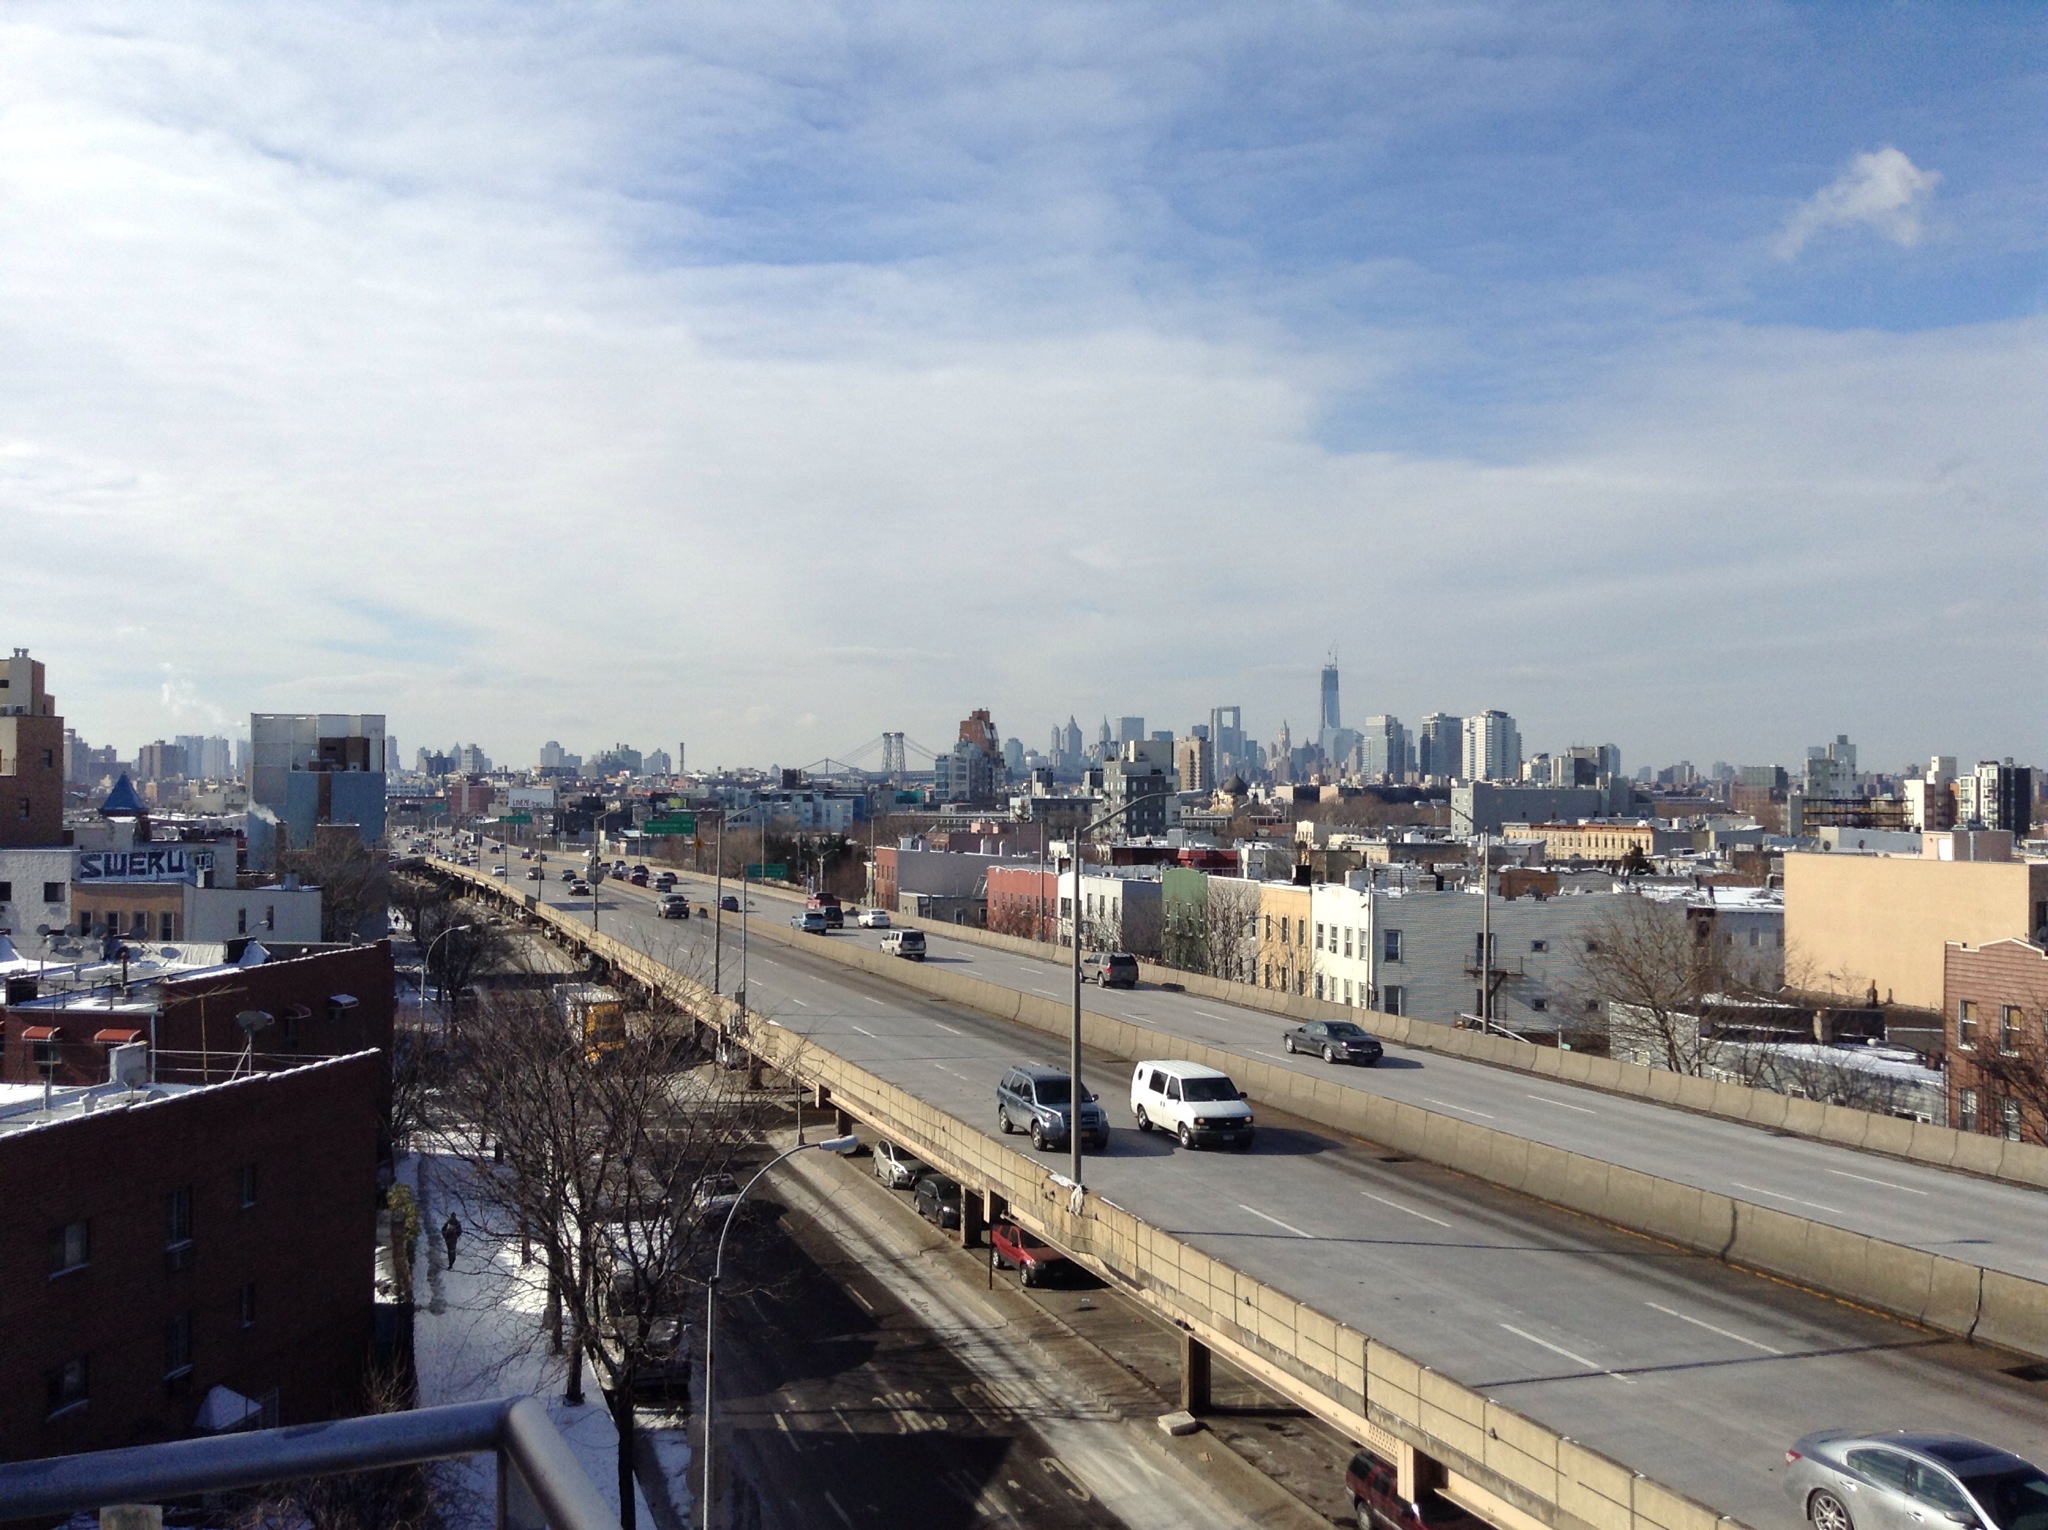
column 1908, row 1481
column 895, row 1167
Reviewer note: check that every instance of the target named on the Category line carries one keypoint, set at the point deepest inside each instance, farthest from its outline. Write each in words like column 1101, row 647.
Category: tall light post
column 1079, row 1095
column 829, row 1145
column 427, row 956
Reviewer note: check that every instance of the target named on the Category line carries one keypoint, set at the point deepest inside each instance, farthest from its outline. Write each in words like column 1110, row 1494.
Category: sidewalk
column 477, row 1334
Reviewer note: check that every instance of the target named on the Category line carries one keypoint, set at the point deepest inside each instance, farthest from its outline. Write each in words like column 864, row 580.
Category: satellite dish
column 253, row 1020
column 169, row 953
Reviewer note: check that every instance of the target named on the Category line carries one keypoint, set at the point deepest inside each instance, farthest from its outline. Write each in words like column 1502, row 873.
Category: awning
column 297, row 1012
column 342, row 1000
column 223, row 1409
column 116, row 1036
column 41, row 1032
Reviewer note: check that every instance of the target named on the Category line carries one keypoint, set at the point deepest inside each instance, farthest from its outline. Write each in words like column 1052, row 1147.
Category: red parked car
column 1034, row 1260
column 1377, row 1501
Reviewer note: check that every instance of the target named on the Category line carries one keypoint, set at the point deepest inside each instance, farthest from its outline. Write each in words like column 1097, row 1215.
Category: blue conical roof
column 122, row 801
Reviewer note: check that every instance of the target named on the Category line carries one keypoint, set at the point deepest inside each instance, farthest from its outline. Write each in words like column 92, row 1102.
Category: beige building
column 31, row 756
column 1853, row 922
column 1596, row 841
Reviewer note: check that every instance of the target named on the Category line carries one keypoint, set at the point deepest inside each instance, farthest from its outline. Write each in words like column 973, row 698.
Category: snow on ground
column 477, row 1334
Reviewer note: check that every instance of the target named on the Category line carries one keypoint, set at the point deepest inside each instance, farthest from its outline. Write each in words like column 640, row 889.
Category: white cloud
column 1884, row 191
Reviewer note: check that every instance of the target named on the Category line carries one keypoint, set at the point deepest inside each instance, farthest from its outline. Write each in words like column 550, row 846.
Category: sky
column 761, row 378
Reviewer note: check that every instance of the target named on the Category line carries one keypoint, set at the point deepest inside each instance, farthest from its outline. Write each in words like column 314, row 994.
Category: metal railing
column 541, row 1485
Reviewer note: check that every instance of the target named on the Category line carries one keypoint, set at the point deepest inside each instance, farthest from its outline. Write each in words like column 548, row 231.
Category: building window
column 138, row 925
column 1539, row 1005
column 67, row 1387
column 1539, row 945
column 27, row 808
column 1347, row 941
column 248, row 1185
column 70, row 1247
column 177, row 1346
column 1319, row 985
column 84, row 922
column 1966, row 1111
column 1390, row 947
column 1966, row 1024
column 1283, row 930
column 1347, row 990
column 241, row 921
column 53, row 892
column 165, row 929
column 178, row 1220
column 1394, row 999
column 2009, row 1028
column 6, row 892
column 2009, row 1118
column 249, row 1304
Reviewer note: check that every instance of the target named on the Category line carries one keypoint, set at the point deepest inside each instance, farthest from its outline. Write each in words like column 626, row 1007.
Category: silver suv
column 1037, row 1097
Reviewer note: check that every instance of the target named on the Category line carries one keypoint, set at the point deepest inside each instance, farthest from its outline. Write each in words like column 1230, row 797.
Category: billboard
column 154, row 863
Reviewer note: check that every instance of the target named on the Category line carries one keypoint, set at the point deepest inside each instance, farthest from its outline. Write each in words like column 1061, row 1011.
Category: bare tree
column 353, row 879
column 1646, row 967
column 384, row 1498
column 612, row 1162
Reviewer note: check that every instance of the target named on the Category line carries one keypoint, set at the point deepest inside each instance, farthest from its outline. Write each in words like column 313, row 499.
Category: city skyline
column 1672, row 377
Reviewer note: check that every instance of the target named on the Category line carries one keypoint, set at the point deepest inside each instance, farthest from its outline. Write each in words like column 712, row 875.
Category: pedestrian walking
column 451, row 1234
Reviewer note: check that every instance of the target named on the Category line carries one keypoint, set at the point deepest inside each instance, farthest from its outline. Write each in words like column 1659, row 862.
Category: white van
column 1199, row 1105
column 907, row 943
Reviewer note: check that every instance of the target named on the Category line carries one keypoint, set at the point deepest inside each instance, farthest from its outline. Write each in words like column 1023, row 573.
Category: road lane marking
column 946, row 1028
column 1483, row 1115
column 867, row 1033
column 1845, row 1174
column 854, row 1292
column 1275, row 1221
column 1563, row 1105
column 1257, row 1052
column 843, row 1515
column 873, row 1000
column 955, row 1072
column 1046, row 991
column 1779, row 1195
column 1710, row 1328
column 804, row 1002
column 1212, row 1015
column 1558, row 1349
column 1399, row 1207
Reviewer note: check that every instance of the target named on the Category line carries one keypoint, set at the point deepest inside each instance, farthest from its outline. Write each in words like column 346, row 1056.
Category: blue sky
column 767, row 377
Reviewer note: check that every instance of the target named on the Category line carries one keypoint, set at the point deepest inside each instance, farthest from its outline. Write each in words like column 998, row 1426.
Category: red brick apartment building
column 1995, row 1005
column 186, row 1258
column 326, row 1002
column 1024, row 901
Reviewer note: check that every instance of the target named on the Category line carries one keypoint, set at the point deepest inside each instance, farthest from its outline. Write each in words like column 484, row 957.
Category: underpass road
column 1694, row 1373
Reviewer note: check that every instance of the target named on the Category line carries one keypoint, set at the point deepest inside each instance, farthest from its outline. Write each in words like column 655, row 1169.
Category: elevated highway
column 1562, row 1372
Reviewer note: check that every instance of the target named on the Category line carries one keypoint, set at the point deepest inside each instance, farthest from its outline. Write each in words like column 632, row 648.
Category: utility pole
column 1485, row 933
column 718, row 908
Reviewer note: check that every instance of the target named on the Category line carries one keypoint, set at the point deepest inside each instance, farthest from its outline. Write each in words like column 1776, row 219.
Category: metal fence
column 541, row 1485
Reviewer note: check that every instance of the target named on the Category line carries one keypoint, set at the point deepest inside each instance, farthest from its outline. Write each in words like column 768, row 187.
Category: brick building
column 325, row 1002
column 1995, row 1008
column 1025, row 901
column 186, row 1256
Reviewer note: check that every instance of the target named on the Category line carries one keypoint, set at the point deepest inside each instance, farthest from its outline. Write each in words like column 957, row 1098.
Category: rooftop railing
column 541, row 1485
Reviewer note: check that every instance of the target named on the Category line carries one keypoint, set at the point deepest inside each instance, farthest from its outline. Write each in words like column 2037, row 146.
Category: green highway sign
column 515, row 818
column 672, row 823
column 774, row 871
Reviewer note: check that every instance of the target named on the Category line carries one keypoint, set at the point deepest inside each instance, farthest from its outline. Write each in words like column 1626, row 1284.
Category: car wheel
column 1187, row 1136
column 1144, row 1121
column 1003, row 1120
column 1365, row 1519
column 1038, row 1136
column 1288, row 1042
column 1329, row 1054
column 1827, row 1512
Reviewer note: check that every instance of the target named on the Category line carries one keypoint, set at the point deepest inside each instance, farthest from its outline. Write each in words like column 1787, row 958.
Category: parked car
column 1038, row 1098
column 905, row 943
column 1034, row 1260
column 673, row 906
column 1198, row 1104
column 663, row 1375
column 1111, row 969
column 895, row 1167
column 715, row 1195
column 1376, row 1500
column 1335, row 1041
column 811, row 921
column 729, row 903
column 873, row 919
column 1843, row 1480
column 938, row 1200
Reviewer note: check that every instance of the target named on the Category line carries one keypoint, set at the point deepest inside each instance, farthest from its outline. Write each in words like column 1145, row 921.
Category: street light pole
column 830, row 1145
column 428, row 955
column 1080, row 1095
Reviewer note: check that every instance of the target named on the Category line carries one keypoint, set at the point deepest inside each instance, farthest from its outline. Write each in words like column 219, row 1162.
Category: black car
column 729, row 903
column 1335, row 1041
column 938, row 1200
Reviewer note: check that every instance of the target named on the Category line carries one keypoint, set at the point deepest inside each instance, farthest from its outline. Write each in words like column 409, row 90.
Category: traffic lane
column 1981, row 1221
column 1588, row 1311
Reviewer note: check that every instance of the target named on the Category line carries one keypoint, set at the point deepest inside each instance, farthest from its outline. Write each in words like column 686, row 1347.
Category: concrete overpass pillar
column 994, row 1207
column 1194, row 1373
column 821, row 1097
column 973, row 1222
column 842, row 1124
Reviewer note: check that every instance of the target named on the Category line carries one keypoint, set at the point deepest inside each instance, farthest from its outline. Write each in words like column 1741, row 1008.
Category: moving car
column 811, row 921
column 906, row 943
column 501, row 871
column 873, row 919
column 1376, row 1500
column 664, row 881
column 1335, row 1041
column 938, row 1200
column 637, row 878
column 579, row 888
column 1198, row 1104
column 1843, row 1480
column 895, row 1167
column 568, row 873
column 1034, row 1260
column 534, row 874
column 729, row 903
column 1111, row 969
column 673, row 906
column 1038, row 1098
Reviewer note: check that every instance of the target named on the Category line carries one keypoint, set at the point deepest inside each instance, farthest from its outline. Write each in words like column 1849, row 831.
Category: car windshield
column 1052, row 1091
column 1344, row 1030
column 2016, row 1499
column 1208, row 1089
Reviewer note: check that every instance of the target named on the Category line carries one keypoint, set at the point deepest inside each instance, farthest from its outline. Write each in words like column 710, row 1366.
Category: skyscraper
column 1383, row 749
column 1492, row 747
column 1226, row 733
column 1440, row 746
column 1332, row 720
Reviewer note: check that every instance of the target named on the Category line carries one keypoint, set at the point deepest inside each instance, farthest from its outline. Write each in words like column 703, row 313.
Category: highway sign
column 671, row 823
column 515, row 818
column 774, row 871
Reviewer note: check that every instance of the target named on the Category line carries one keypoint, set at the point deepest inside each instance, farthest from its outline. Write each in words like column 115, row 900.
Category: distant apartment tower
column 1142, row 780
column 551, row 755
column 1492, row 747
column 160, row 761
column 1440, row 745
column 1196, row 759
column 313, row 768
column 31, row 756
column 1997, row 796
column 1383, row 749
column 1831, row 768
column 1130, row 730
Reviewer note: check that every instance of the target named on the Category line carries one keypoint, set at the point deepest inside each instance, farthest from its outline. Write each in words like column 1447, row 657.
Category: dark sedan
column 1335, row 1041
column 938, row 1200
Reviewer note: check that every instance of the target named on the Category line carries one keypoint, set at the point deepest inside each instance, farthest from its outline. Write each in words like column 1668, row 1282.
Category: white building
column 1492, row 748
column 282, row 742
column 1121, row 910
